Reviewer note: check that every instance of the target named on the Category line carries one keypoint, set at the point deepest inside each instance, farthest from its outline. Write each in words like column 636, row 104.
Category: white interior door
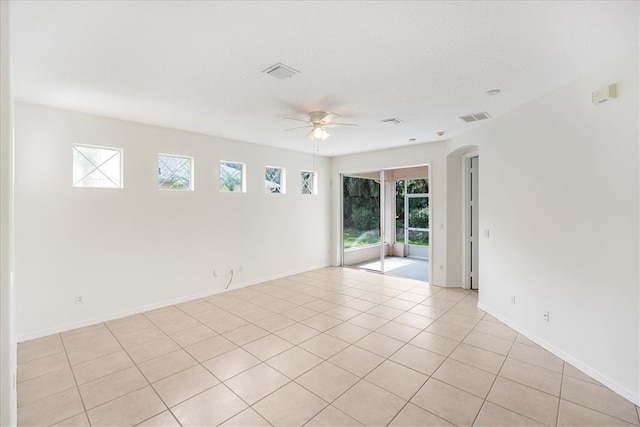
column 473, row 227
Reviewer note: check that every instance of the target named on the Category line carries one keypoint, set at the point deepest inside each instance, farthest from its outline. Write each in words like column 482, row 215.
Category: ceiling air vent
column 281, row 71
column 475, row 117
column 392, row 122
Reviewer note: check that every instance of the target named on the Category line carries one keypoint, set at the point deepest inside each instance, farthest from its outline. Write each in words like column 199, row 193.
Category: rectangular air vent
column 392, row 122
column 281, row 71
column 475, row 117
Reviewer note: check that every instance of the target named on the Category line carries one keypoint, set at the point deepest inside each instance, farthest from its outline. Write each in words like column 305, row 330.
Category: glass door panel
column 361, row 230
column 399, row 205
column 417, row 220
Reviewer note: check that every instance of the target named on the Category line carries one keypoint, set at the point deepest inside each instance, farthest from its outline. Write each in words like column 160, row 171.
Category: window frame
column 243, row 177
column 118, row 151
column 191, row 172
column 314, row 183
column 283, row 180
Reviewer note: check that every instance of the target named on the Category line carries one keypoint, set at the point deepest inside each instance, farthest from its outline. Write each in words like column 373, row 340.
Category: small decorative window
column 232, row 177
column 175, row 172
column 97, row 167
column 309, row 182
column 274, row 180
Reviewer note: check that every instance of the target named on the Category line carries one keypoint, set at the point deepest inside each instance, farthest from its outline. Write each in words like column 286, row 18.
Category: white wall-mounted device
column 605, row 94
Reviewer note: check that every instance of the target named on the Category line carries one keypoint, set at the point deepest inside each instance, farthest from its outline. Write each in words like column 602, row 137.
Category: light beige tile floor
column 330, row 347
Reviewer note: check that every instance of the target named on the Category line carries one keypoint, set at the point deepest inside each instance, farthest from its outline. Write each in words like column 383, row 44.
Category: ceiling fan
column 319, row 122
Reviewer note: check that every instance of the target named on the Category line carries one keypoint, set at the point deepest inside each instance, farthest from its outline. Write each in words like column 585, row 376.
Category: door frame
column 406, row 220
column 467, row 220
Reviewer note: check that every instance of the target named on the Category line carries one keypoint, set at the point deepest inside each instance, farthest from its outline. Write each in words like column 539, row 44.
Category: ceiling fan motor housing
column 317, row 117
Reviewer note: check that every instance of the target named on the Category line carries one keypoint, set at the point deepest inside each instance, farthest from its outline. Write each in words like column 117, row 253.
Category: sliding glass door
column 417, row 220
column 362, row 220
column 385, row 221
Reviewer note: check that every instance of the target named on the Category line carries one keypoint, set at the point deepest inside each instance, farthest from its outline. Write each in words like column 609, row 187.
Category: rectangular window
column 97, row 167
column 232, row 177
column 309, row 181
column 274, row 180
column 175, row 172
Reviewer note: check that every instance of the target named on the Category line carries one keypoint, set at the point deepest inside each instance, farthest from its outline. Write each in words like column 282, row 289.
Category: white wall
column 432, row 154
column 136, row 248
column 8, row 411
column 559, row 191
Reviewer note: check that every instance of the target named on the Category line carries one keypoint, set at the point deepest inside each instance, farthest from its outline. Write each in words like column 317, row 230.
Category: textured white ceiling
column 198, row 65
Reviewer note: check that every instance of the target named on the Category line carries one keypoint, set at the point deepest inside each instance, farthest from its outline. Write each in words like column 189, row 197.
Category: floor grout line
column 319, row 287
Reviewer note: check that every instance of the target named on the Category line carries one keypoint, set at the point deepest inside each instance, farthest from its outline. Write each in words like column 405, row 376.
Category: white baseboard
column 446, row 285
column 141, row 309
column 578, row 364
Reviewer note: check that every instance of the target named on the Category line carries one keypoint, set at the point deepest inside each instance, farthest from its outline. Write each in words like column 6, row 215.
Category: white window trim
column 243, row 176
column 283, row 179
column 192, row 171
column 314, row 183
column 119, row 150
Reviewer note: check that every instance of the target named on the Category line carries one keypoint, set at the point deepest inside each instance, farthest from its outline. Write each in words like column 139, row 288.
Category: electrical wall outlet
column 546, row 315
column 79, row 299
column 513, row 299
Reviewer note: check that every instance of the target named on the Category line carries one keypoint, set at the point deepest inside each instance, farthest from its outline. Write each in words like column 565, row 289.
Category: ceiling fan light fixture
column 319, row 133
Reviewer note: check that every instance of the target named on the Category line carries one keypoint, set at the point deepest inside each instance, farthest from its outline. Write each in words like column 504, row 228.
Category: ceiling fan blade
column 297, row 120
column 331, row 125
column 298, row 127
column 330, row 117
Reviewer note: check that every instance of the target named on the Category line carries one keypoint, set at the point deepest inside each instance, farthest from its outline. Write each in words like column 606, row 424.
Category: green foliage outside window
column 230, row 177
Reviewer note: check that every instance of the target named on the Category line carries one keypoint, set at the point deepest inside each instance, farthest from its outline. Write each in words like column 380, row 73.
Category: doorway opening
column 385, row 221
